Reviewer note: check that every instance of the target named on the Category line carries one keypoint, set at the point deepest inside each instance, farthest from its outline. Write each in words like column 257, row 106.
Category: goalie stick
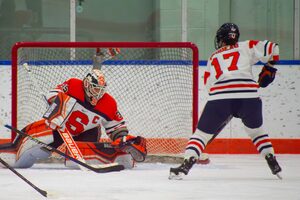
column 100, row 169
column 71, row 145
column 42, row 192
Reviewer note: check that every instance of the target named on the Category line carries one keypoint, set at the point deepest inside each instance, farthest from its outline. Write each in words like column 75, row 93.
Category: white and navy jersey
column 229, row 69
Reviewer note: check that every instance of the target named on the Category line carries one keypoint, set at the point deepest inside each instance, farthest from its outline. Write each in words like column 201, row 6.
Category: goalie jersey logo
column 64, row 88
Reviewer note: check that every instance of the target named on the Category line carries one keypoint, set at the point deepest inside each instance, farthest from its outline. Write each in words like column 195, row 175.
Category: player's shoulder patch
column 71, row 82
column 64, row 87
column 74, row 88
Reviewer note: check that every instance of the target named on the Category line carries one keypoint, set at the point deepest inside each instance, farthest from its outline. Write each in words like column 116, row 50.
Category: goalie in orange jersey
column 83, row 107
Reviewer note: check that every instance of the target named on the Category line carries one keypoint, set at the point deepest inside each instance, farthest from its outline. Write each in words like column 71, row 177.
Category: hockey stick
column 103, row 169
column 71, row 145
column 42, row 192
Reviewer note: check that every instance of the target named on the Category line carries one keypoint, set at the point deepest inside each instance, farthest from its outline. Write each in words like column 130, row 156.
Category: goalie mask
column 94, row 86
column 227, row 34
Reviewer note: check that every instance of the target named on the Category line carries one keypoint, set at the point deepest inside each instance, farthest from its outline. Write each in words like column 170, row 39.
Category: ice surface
column 227, row 177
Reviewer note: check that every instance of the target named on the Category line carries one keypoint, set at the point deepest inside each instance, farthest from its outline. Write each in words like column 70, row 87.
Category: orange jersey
column 84, row 116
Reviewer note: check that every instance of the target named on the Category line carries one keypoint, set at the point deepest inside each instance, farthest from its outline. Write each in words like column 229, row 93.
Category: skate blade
column 279, row 175
column 204, row 159
column 173, row 176
column 203, row 162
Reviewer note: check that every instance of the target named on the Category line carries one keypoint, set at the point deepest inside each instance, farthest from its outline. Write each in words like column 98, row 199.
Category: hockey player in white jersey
column 233, row 92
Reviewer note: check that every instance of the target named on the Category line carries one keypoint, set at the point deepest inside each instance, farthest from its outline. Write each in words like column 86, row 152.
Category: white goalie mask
column 94, row 86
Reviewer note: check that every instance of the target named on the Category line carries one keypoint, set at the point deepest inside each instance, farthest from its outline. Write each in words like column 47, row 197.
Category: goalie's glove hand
column 58, row 111
column 135, row 146
column 266, row 76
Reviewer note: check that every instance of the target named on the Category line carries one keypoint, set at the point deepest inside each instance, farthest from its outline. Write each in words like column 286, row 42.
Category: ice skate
column 273, row 164
column 178, row 172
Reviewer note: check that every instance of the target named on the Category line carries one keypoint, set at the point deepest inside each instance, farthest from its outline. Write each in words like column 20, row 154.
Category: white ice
column 227, row 177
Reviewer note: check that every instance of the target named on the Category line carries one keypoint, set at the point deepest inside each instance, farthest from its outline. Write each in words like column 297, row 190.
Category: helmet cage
column 94, row 87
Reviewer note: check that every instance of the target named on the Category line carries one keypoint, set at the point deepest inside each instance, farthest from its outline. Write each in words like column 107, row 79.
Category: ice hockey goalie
column 85, row 108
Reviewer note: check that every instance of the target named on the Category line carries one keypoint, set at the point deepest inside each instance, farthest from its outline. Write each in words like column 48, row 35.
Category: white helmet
column 94, row 84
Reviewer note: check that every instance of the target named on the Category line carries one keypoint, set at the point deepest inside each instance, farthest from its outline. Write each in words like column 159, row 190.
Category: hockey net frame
column 74, row 45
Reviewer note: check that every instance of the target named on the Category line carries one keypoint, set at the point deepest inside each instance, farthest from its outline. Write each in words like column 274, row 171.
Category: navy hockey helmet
column 227, row 34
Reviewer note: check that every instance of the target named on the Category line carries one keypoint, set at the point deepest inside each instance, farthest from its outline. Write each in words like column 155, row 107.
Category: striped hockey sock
column 263, row 144
column 197, row 144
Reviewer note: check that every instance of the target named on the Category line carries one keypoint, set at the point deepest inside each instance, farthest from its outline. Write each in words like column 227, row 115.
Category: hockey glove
column 266, row 76
column 59, row 111
column 135, row 146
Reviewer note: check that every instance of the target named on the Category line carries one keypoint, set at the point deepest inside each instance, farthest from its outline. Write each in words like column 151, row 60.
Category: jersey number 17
column 234, row 56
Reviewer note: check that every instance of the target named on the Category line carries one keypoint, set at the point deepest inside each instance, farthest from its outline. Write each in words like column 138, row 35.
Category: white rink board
column 281, row 103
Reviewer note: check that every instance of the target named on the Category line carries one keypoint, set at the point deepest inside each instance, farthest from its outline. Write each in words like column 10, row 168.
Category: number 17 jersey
column 229, row 69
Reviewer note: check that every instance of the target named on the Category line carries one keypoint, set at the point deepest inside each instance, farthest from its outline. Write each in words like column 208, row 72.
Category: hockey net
column 155, row 85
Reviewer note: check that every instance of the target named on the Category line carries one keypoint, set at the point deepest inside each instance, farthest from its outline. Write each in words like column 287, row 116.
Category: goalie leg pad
column 25, row 156
column 101, row 153
column 26, row 151
column 8, row 157
column 23, row 153
column 30, row 156
column 37, row 130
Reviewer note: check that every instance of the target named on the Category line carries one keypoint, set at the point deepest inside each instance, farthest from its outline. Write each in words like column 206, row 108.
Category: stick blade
column 43, row 192
column 109, row 168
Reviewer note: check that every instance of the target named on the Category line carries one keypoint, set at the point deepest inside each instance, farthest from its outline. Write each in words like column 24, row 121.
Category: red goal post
column 154, row 83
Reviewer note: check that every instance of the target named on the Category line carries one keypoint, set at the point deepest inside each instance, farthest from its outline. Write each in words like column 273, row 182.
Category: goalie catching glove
column 135, row 146
column 266, row 76
column 59, row 111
